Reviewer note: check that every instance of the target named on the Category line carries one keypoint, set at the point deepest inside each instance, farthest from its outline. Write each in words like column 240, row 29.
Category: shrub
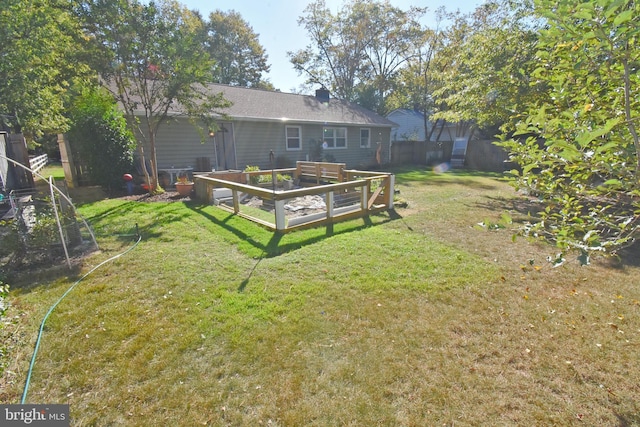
column 100, row 135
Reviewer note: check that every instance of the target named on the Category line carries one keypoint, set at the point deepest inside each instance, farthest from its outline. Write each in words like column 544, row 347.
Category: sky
column 276, row 23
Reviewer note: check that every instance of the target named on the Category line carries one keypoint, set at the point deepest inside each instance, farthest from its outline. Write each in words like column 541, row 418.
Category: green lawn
column 414, row 318
column 52, row 169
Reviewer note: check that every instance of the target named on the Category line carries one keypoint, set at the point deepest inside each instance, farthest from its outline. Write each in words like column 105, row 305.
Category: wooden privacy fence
column 481, row 155
column 359, row 194
column 420, row 152
column 14, row 147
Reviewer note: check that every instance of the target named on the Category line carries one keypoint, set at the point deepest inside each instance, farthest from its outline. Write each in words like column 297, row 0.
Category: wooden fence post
column 67, row 161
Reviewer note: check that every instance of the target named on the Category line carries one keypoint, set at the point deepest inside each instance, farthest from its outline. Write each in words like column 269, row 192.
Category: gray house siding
column 179, row 144
column 257, row 122
column 353, row 155
column 255, row 140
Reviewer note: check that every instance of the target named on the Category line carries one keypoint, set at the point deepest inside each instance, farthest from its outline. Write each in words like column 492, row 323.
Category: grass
column 419, row 317
column 52, row 169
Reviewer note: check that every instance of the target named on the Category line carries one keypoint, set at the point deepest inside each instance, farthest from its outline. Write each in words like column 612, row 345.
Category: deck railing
column 361, row 194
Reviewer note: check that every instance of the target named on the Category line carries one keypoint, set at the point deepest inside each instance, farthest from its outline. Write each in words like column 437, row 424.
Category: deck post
column 280, row 215
column 329, row 204
column 364, row 197
column 391, row 191
column 236, row 201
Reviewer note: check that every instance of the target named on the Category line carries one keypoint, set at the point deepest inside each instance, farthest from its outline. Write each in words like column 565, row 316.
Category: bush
column 100, row 135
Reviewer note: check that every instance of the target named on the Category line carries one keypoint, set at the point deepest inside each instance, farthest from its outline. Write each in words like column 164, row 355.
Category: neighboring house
column 289, row 125
column 410, row 125
column 449, row 142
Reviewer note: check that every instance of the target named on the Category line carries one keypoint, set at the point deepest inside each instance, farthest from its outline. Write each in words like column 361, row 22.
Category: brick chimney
column 322, row 94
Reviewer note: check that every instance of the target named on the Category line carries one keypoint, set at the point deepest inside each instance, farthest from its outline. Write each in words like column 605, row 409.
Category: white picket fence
column 38, row 162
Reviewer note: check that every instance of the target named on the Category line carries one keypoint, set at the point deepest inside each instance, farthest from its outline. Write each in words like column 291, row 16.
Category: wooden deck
column 346, row 194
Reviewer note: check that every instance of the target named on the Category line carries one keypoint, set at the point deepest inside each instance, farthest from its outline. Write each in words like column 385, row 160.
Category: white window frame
column 368, row 144
column 331, row 143
column 292, row 138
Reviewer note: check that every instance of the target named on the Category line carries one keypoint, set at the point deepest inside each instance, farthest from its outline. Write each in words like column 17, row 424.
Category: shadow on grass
column 528, row 210
column 246, row 281
column 148, row 224
column 23, row 281
column 626, row 257
column 27, row 270
column 627, row 420
column 275, row 246
column 30, row 273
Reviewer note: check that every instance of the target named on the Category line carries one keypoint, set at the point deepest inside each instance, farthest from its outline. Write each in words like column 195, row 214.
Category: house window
column 365, row 138
column 294, row 140
column 334, row 137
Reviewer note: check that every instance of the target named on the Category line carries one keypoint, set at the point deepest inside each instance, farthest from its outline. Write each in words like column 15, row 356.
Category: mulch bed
column 167, row 196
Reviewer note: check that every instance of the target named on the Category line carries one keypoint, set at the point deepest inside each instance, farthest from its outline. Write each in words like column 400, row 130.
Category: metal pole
column 273, row 170
column 215, row 150
column 55, row 210
column 224, row 147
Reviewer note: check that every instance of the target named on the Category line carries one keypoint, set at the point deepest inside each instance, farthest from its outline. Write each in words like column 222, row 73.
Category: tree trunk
column 143, row 165
column 154, row 186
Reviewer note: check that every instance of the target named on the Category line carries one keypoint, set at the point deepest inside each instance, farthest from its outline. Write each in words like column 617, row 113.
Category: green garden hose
column 37, row 345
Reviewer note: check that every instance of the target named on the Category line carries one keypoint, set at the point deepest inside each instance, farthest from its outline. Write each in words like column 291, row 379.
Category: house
column 292, row 127
column 410, row 125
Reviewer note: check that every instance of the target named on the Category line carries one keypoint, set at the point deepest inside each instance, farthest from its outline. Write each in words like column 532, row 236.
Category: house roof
column 406, row 112
column 258, row 104
column 264, row 105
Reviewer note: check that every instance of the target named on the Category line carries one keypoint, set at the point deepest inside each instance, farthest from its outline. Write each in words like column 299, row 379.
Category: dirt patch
column 167, row 196
column 94, row 193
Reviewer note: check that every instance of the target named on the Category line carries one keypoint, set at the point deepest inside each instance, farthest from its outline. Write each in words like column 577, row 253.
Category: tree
column 392, row 37
column 239, row 58
column 415, row 82
column 100, row 133
column 357, row 52
column 581, row 154
column 40, row 48
column 152, row 58
column 485, row 64
column 333, row 59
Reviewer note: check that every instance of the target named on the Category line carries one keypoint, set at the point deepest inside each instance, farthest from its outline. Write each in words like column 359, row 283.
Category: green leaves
column 239, row 57
column 152, row 57
column 485, row 67
column 587, row 172
column 623, row 17
column 41, row 50
column 358, row 52
column 584, row 139
column 100, row 135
